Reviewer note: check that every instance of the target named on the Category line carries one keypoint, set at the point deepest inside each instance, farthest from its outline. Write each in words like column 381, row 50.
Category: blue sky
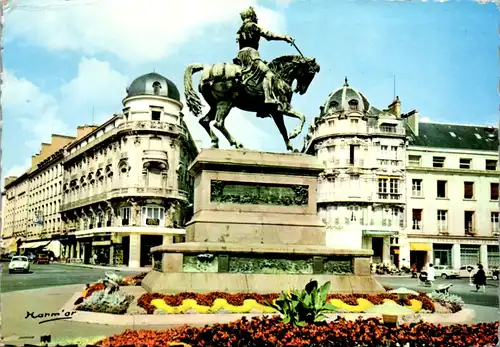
column 67, row 63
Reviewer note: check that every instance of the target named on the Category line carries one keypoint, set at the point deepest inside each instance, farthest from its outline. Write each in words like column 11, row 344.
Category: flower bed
column 272, row 332
column 246, row 302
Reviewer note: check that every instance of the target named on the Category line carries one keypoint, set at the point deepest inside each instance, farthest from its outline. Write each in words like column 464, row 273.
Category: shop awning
column 378, row 233
column 35, row 244
column 420, row 246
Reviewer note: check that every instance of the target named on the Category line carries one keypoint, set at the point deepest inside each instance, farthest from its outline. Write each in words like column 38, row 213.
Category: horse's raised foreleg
column 295, row 114
column 205, row 123
column 223, row 109
column 280, row 123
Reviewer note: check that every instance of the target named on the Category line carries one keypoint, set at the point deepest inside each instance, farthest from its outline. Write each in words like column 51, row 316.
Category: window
column 152, row 215
column 438, row 161
column 384, row 151
column 382, row 186
column 442, row 220
column 469, row 222
column 442, row 189
column 354, row 183
column 125, row 215
column 394, row 186
column 468, row 190
column 353, row 213
column 352, row 150
column 354, row 121
column 494, row 222
column 414, row 160
column 156, row 88
column 491, row 164
column 417, row 219
column 493, row 191
column 353, row 104
column 465, row 163
column 416, row 187
column 394, row 152
column 155, row 115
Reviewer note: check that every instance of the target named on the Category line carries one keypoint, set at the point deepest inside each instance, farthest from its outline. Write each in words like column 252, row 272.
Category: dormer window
column 334, row 105
column 353, row 104
column 156, row 88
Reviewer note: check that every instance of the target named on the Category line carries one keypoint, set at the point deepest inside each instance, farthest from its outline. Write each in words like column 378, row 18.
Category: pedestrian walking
column 414, row 271
column 431, row 274
column 94, row 259
column 480, row 278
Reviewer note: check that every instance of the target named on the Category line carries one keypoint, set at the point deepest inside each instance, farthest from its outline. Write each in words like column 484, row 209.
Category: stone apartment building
column 115, row 190
column 413, row 192
column 452, row 205
column 361, row 193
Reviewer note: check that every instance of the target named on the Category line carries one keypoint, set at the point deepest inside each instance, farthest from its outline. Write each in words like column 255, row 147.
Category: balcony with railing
column 387, row 130
column 389, row 197
column 442, row 228
column 80, row 201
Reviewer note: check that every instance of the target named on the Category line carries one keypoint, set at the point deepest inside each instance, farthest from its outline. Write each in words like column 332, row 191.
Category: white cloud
column 425, row 120
column 18, row 170
column 40, row 114
column 135, row 31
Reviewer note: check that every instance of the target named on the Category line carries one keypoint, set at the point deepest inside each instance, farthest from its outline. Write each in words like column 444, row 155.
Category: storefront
column 33, row 247
column 420, row 254
column 493, row 256
column 469, row 255
column 442, row 254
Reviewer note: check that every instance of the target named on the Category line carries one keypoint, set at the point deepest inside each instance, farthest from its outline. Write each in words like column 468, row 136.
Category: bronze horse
column 225, row 86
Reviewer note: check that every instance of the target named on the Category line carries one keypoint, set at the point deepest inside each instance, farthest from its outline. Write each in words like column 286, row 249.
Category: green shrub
column 306, row 306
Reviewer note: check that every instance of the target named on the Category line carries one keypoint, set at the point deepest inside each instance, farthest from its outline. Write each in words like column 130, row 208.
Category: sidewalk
column 108, row 267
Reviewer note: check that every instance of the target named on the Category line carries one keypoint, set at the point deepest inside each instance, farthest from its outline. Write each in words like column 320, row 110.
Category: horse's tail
column 193, row 100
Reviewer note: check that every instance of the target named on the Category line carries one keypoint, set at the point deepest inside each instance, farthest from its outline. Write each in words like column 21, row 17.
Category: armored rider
column 248, row 57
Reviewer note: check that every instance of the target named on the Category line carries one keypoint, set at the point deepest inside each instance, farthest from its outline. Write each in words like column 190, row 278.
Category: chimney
column 411, row 119
column 83, row 130
column 35, row 160
column 395, row 107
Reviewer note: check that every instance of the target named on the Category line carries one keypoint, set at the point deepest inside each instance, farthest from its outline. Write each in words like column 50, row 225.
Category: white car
column 469, row 270
column 445, row 271
column 19, row 263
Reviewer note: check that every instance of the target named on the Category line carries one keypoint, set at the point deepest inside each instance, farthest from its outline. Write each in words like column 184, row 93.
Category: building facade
column 452, row 206
column 361, row 193
column 413, row 192
column 115, row 190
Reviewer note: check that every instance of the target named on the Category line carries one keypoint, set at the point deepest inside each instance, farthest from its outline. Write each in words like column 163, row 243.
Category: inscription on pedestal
column 258, row 194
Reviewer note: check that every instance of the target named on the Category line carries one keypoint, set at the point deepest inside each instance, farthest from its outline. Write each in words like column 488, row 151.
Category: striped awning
column 420, row 246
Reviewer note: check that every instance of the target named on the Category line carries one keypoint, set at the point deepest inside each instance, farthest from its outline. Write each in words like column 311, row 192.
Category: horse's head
column 307, row 68
column 295, row 67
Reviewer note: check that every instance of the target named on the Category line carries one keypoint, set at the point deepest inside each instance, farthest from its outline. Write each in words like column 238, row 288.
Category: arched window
column 333, row 105
column 353, row 104
column 156, row 88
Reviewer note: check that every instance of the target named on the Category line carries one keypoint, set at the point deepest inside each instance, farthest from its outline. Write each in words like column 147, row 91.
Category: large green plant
column 306, row 306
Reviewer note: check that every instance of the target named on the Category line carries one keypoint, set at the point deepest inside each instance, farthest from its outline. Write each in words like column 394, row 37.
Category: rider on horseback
column 248, row 37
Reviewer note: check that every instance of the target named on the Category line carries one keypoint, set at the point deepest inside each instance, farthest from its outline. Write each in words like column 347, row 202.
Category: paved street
column 50, row 275
column 460, row 287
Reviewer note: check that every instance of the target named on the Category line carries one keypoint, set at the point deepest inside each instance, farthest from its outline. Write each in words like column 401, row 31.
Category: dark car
column 41, row 259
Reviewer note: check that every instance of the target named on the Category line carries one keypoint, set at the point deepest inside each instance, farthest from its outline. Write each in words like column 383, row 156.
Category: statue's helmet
column 249, row 14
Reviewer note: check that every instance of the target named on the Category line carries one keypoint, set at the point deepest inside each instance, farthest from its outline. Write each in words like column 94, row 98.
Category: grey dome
column 343, row 97
column 153, row 84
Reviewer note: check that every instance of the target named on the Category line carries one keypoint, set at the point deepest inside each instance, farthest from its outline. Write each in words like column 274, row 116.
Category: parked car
column 495, row 274
column 469, row 270
column 19, row 263
column 445, row 271
column 41, row 259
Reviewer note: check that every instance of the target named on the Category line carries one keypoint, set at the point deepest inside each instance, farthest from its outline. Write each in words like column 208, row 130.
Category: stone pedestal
column 255, row 229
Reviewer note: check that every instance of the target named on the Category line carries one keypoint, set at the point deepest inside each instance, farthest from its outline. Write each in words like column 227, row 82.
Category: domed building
column 361, row 193
column 125, row 186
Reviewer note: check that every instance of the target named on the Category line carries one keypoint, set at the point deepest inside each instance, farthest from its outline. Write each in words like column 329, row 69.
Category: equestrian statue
column 251, row 84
